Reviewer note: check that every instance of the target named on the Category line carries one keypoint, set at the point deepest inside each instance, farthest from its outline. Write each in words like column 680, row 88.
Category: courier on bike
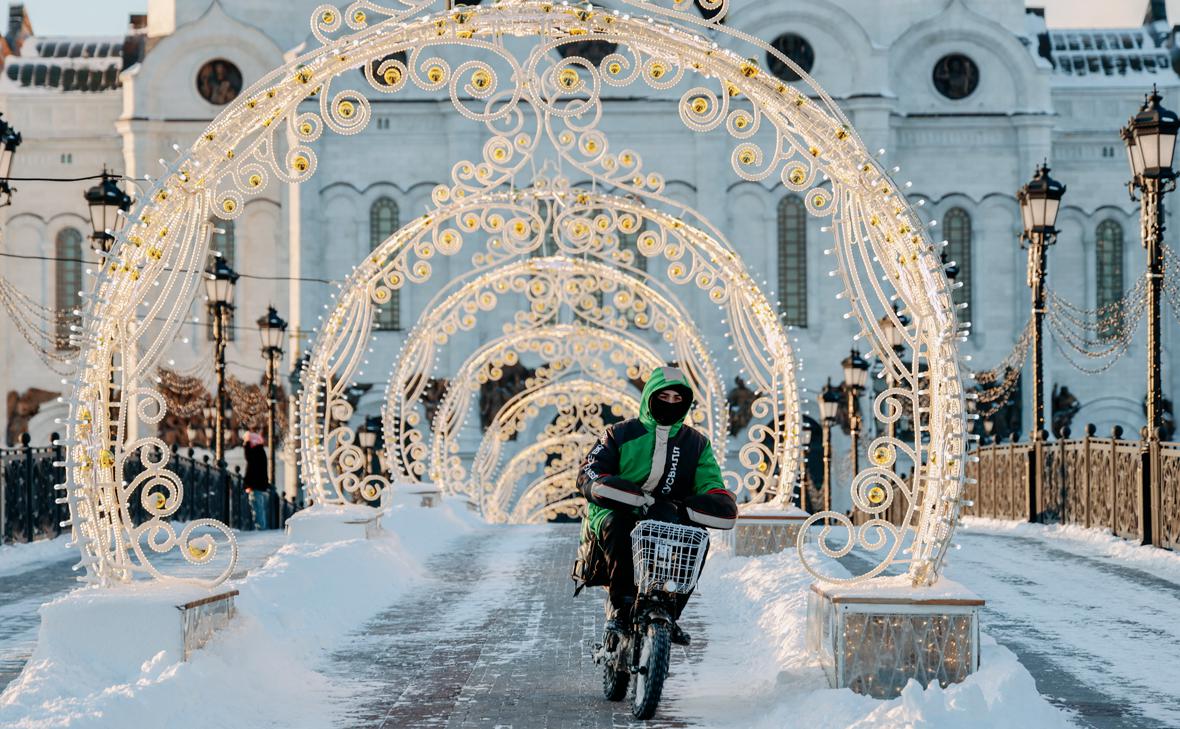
column 643, row 471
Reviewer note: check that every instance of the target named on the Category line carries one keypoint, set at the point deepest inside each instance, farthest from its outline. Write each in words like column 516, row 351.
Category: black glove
column 716, row 509
column 668, row 511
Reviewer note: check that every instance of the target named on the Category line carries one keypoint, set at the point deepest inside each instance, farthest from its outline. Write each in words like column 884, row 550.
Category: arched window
column 956, row 226
column 383, row 221
column 222, row 241
column 1109, row 252
column 68, row 249
column 792, row 261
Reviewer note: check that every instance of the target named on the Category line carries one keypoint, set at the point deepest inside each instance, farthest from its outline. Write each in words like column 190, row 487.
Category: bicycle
column 668, row 559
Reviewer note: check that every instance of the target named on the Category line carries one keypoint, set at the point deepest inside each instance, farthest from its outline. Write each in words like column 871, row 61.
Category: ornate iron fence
column 29, row 507
column 1129, row 487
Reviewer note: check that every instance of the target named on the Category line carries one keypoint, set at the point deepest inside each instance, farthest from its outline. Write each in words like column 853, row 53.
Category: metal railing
column 28, row 499
column 1128, row 487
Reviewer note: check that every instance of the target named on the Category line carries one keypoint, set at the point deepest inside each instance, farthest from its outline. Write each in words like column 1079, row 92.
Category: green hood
column 661, row 379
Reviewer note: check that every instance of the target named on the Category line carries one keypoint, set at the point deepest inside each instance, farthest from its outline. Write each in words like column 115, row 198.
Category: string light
column 167, row 234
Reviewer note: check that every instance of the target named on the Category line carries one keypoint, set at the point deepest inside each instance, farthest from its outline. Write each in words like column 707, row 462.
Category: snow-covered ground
column 17, row 558
column 260, row 671
column 757, row 672
column 1093, row 616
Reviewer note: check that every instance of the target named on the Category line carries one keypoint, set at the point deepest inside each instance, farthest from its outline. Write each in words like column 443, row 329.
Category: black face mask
column 669, row 413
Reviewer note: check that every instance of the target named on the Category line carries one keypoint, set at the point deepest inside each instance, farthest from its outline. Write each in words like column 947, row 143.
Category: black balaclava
column 670, row 413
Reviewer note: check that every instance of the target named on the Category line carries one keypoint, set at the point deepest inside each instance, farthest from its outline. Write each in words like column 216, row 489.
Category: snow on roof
column 1129, row 54
column 87, row 64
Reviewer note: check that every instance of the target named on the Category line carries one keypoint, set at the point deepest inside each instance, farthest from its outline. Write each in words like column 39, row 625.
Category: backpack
column 590, row 567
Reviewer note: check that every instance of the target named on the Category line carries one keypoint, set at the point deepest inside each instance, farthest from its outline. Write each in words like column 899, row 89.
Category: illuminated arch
column 779, row 131
column 578, row 403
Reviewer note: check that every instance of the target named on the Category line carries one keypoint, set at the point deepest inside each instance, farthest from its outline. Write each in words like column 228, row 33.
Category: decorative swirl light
column 147, row 283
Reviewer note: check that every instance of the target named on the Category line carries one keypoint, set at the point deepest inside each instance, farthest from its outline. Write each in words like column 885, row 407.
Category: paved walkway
column 1100, row 637
column 495, row 640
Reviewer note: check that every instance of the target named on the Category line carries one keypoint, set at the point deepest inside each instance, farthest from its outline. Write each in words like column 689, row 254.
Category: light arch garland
column 579, row 404
column 613, row 358
column 552, row 285
column 586, row 226
column 264, row 134
column 554, row 456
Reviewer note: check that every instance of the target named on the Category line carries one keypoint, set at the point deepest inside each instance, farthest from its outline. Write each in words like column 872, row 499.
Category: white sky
column 109, row 17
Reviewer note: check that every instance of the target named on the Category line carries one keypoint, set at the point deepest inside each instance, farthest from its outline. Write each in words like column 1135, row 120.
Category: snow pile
column 756, row 671
column 260, row 671
column 1087, row 542
column 17, row 558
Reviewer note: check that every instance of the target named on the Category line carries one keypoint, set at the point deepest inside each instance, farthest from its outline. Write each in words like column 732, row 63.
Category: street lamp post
column 856, row 374
column 271, row 329
column 219, row 287
column 1150, row 137
column 106, row 201
column 10, row 139
column 209, row 413
column 804, row 443
column 829, row 403
column 367, row 437
column 1040, row 201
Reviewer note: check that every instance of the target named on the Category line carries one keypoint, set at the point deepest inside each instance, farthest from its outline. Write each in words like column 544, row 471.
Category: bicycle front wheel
column 653, row 669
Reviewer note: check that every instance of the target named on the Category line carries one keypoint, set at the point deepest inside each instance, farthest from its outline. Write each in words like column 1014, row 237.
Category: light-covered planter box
column 874, row 637
column 762, row 529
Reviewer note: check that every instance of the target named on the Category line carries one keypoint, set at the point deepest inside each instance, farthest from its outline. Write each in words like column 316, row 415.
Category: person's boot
column 618, row 619
column 679, row 636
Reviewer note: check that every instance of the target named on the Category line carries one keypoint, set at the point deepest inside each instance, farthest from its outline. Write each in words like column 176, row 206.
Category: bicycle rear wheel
column 653, row 669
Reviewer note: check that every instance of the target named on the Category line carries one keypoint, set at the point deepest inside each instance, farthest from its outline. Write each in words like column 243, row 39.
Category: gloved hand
column 614, row 492
column 664, row 511
column 716, row 509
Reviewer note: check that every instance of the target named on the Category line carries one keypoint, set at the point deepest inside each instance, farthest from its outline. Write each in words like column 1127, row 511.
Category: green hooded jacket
column 637, row 461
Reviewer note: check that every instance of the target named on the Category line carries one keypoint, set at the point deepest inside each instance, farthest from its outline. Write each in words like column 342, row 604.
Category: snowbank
column 757, row 672
column 260, row 672
column 17, row 558
column 1088, row 542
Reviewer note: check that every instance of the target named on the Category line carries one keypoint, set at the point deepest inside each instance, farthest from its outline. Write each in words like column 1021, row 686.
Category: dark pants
column 615, row 540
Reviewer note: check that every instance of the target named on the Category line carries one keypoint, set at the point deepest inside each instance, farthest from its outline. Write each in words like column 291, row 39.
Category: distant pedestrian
column 257, row 481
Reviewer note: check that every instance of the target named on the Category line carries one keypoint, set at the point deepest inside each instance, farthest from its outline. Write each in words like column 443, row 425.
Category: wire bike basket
column 667, row 557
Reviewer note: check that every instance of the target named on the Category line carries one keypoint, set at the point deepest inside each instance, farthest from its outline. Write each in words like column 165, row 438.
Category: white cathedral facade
column 965, row 96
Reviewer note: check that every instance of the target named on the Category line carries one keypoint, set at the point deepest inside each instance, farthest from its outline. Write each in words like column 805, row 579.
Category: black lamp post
column 106, row 200
column 856, row 374
column 367, row 436
column 10, row 139
column 804, row 448
column 219, row 287
column 1150, row 137
column 208, row 413
column 1040, row 201
column 829, row 403
column 271, row 329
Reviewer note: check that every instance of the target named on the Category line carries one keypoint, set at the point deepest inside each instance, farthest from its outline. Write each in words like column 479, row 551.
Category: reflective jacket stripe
column 659, row 458
column 708, row 520
column 602, row 491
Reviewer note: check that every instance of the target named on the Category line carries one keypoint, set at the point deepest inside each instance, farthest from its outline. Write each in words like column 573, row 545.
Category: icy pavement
column 1100, row 636
column 492, row 639
column 1084, row 615
column 25, row 584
